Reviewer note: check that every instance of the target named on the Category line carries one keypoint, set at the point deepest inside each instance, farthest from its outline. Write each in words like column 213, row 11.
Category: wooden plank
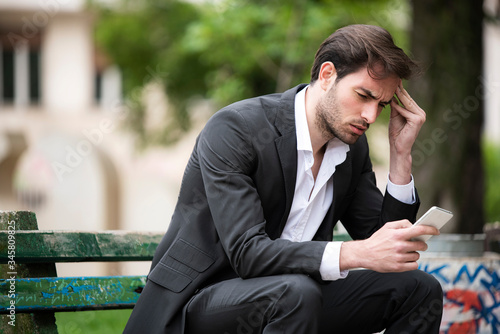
column 13, row 222
column 71, row 246
column 19, row 220
column 72, row 293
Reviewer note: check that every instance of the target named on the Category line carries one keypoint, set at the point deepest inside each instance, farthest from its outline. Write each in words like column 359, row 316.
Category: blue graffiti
column 472, row 278
column 492, row 287
column 435, row 272
column 489, row 285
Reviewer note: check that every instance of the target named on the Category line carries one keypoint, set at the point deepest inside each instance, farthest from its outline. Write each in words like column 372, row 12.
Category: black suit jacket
column 234, row 201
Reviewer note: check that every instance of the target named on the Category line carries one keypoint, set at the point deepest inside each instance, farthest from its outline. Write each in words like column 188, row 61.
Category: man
column 249, row 248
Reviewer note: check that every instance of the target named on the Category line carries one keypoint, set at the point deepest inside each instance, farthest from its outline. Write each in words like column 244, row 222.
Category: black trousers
column 364, row 302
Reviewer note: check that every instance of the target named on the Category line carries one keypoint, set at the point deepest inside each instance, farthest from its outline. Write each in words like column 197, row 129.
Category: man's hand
column 404, row 126
column 390, row 249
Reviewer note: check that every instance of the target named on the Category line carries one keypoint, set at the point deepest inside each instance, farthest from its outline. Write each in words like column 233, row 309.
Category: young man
column 249, row 248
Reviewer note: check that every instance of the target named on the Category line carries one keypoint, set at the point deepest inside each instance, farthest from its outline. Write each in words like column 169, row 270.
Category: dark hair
column 353, row 47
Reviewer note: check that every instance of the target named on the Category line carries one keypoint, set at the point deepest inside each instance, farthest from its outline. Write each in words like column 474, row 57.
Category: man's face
column 353, row 103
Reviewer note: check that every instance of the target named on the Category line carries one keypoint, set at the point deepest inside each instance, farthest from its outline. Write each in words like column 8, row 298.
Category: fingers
column 409, row 257
column 416, row 231
column 403, row 262
column 409, row 246
column 397, row 109
column 404, row 97
column 407, row 232
column 405, row 266
column 405, row 223
column 407, row 101
column 413, row 246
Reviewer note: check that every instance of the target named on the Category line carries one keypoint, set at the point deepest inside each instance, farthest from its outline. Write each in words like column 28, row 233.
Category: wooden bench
column 31, row 291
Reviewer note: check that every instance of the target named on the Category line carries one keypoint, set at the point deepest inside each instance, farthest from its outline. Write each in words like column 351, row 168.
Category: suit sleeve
column 367, row 209
column 227, row 156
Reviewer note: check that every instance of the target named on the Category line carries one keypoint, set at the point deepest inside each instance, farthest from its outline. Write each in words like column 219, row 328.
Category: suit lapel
column 286, row 146
column 287, row 151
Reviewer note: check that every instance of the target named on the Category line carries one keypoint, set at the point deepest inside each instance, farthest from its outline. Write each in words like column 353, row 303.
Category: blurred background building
column 63, row 152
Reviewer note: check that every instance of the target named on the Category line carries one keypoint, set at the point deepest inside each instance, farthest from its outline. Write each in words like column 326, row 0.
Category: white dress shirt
column 312, row 199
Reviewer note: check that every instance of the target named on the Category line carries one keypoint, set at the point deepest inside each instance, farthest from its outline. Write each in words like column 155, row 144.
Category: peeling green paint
column 70, row 246
column 72, row 293
column 38, row 289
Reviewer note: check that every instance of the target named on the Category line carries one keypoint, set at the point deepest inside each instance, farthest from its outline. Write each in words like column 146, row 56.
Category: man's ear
column 327, row 75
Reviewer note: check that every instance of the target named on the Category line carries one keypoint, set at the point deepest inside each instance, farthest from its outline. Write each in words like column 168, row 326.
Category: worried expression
column 351, row 104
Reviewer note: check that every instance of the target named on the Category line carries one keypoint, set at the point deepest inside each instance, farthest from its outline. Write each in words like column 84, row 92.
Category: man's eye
column 364, row 97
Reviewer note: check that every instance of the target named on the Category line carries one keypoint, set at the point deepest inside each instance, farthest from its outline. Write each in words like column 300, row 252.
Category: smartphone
column 436, row 217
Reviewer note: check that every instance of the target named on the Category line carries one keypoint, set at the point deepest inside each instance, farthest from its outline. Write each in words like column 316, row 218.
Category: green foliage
column 145, row 40
column 226, row 50
column 95, row 322
column 491, row 153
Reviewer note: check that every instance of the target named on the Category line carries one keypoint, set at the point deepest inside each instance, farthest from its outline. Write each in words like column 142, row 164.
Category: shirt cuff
column 330, row 263
column 403, row 193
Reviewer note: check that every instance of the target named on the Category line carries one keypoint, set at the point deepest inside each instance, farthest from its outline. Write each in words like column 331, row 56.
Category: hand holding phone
column 436, row 217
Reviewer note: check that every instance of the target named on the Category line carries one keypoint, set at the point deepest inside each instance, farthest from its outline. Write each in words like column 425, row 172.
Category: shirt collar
column 302, row 129
column 303, row 137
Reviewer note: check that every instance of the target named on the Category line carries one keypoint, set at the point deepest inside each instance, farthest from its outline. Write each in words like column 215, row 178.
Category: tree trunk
column 447, row 39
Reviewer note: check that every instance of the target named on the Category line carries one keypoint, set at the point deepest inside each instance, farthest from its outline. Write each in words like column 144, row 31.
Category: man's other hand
column 390, row 249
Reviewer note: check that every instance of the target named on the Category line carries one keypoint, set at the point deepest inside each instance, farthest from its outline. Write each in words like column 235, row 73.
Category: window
column 19, row 71
column 7, row 84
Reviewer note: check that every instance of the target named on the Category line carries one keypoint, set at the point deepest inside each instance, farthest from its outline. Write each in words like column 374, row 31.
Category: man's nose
column 370, row 113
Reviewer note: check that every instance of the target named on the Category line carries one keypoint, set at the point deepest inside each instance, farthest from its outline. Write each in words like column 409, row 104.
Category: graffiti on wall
column 471, row 295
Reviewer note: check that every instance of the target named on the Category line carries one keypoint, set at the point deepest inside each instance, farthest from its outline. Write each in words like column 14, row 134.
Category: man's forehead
column 382, row 89
column 365, row 73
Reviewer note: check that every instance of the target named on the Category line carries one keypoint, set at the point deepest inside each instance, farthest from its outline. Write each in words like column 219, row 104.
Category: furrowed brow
column 370, row 95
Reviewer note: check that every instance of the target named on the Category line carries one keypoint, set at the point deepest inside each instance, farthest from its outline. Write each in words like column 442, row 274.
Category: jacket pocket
column 180, row 265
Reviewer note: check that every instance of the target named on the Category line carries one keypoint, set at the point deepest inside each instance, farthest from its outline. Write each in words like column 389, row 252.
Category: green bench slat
column 71, row 246
column 342, row 237
column 72, row 293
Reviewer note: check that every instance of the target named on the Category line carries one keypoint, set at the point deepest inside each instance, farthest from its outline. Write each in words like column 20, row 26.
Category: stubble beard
column 328, row 119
